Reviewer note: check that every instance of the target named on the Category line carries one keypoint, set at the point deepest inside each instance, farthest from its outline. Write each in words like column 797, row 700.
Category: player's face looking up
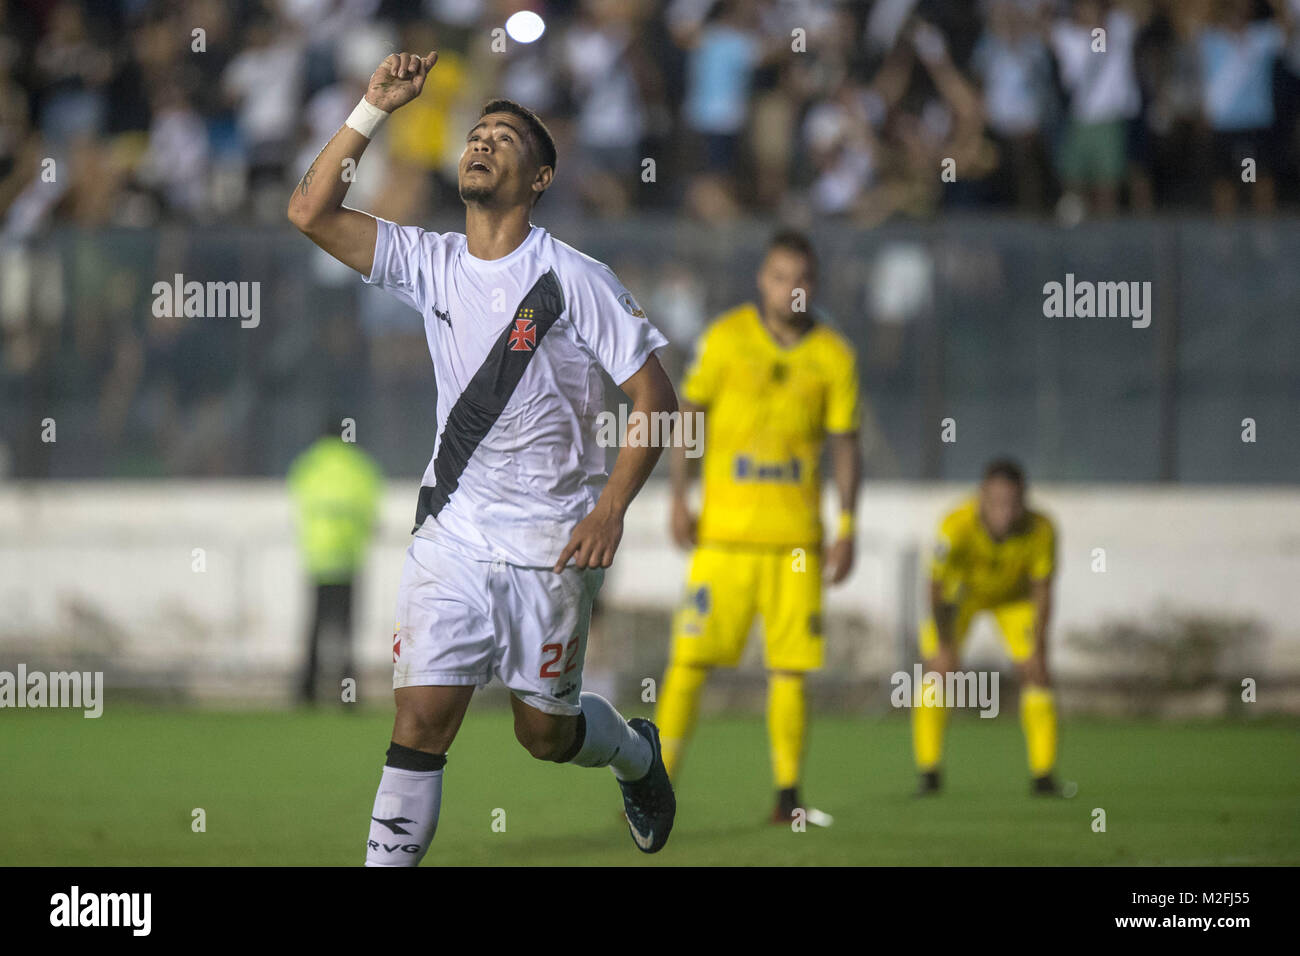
column 500, row 166
column 1002, row 505
column 782, row 272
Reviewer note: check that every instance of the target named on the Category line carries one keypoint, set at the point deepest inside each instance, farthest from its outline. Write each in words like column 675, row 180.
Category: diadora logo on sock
column 392, row 824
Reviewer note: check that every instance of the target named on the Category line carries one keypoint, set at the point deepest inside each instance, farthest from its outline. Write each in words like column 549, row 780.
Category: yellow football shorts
column 727, row 586
column 1015, row 619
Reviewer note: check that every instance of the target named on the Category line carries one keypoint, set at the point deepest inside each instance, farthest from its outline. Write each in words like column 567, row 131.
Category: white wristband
column 365, row 119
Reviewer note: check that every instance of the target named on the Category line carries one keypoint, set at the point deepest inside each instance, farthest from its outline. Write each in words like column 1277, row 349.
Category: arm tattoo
column 306, row 179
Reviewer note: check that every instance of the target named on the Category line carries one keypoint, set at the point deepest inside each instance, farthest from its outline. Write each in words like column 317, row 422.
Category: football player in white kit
column 517, row 517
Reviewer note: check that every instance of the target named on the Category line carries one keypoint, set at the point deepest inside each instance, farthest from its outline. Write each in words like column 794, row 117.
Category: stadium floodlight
column 525, row 26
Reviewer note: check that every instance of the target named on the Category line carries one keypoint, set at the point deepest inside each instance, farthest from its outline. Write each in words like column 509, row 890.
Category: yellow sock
column 928, row 722
column 679, row 704
column 1038, row 718
column 787, row 724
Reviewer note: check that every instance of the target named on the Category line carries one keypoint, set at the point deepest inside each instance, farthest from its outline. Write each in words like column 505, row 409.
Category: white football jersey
column 515, row 344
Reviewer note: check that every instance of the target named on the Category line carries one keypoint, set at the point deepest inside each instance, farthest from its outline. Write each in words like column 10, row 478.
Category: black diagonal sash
column 489, row 391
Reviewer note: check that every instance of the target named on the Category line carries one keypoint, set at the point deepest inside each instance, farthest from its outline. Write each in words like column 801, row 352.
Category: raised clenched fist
column 399, row 79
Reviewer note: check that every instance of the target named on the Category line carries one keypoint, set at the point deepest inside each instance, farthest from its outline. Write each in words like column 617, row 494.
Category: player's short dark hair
column 1006, row 468
column 792, row 240
column 542, row 138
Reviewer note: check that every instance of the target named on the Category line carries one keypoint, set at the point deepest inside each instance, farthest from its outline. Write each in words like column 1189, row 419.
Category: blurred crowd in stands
column 205, row 111
column 167, row 115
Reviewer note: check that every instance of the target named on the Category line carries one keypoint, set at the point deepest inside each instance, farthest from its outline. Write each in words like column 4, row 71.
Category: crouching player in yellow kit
column 773, row 385
column 992, row 554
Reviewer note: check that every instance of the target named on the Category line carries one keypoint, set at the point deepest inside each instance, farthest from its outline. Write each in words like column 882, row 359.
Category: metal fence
column 949, row 320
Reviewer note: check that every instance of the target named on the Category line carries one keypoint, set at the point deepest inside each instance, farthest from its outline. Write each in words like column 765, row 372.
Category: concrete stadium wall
column 105, row 574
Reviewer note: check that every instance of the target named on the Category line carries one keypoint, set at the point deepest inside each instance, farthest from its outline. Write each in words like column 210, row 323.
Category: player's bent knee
column 541, row 749
column 544, row 741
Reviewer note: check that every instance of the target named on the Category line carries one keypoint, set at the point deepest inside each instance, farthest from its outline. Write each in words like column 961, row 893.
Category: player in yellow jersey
column 992, row 554
column 774, row 386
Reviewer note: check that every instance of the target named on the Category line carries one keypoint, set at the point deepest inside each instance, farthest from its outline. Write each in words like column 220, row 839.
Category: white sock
column 610, row 742
column 408, row 802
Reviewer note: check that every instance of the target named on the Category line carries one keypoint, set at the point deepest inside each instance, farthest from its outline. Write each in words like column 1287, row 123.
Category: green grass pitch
column 295, row 788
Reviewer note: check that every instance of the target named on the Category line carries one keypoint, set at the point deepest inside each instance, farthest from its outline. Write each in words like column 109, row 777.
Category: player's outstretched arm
column 596, row 538
column 316, row 206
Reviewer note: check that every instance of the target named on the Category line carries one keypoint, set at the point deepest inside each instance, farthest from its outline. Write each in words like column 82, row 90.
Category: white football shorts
column 460, row 621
